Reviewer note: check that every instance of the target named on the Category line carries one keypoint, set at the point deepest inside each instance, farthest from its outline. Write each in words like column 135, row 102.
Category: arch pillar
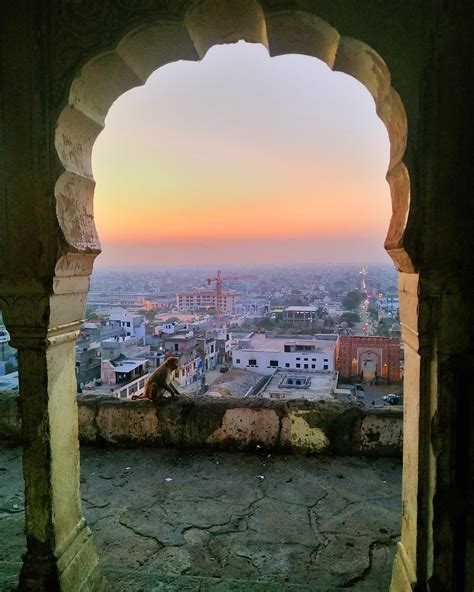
column 43, row 326
column 44, row 279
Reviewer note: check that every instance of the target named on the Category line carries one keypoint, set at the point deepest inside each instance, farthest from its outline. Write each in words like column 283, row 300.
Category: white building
column 388, row 304
column 263, row 354
column 252, row 308
column 131, row 323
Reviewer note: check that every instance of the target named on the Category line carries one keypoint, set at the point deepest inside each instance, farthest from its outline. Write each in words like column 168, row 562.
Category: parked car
column 224, row 369
column 392, row 399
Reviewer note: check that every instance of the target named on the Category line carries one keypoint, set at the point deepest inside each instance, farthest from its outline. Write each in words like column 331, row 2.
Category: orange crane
column 219, row 279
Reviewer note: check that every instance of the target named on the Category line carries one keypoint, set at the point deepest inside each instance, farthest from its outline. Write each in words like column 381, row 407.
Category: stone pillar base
column 403, row 577
column 74, row 566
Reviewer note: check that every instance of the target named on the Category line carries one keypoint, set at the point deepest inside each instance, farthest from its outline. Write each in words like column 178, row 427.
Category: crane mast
column 218, row 281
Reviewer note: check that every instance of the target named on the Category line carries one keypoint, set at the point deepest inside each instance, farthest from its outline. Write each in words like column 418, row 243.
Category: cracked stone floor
column 171, row 520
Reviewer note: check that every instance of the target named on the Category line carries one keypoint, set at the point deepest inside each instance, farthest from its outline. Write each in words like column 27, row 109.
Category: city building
column 206, row 299
column 184, row 346
column 304, row 315
column 252, row 308
column 123, row 378
column 8, row 358
column 264, row 354
column 368, row 358
column 128, row 347
column 207, row 351
column 300, row 385
column 88, row 362
column 224, row 346
column 132, row 324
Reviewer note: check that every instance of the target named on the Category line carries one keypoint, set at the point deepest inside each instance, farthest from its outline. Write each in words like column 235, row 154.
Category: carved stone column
column 60, row 550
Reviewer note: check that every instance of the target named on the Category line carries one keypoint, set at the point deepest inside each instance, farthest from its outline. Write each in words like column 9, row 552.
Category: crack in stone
column 141, row 534
column 92, row 505
column 366, row 570
column 314, row 522
column 92, row 524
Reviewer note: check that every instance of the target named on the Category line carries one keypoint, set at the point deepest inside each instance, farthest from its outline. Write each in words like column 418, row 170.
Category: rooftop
column 171, row 520
column 129, row 365
column 297, row 385
column 261, row 342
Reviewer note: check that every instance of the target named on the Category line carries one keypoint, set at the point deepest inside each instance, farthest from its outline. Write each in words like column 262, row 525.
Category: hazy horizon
column 239, row 159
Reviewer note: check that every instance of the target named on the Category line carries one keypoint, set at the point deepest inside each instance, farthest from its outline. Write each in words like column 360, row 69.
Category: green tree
column 352, row 300
column 350, row 318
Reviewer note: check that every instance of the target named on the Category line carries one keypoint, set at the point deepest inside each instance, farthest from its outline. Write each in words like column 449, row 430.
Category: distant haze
column 242, row 159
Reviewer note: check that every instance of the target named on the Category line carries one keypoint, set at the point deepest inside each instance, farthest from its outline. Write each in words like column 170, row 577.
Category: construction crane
column 218, row 280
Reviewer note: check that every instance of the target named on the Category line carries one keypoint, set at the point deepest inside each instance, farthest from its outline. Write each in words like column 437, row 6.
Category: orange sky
column 275, row 152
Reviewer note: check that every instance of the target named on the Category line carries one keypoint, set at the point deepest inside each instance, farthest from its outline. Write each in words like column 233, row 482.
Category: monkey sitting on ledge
column 159, row 381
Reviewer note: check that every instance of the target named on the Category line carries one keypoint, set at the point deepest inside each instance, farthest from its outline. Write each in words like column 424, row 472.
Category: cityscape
column 316, row 332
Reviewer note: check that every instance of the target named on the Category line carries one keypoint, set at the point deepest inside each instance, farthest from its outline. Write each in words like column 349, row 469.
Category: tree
column 350, row 318
column 352, row 300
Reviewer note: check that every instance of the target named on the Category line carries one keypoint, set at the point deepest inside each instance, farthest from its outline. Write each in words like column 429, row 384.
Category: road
column 377, row 391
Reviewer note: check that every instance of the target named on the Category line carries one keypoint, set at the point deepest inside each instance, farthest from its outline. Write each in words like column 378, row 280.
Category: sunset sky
column 240, row 159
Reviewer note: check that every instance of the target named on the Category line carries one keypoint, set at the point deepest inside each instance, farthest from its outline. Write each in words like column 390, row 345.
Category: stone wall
column 328, row 427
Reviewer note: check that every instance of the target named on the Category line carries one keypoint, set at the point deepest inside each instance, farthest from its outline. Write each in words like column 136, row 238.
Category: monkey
column 159, row 381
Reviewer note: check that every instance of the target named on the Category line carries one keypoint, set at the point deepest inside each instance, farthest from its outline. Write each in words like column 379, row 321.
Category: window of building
column 313, row 366
column 273, row 363
column 326, row 367
column 305, row 359
column 306, row 366
column 298, row 365
column 252, row 362
column 287, row 365
column 313, row 359
column 298, row 358
column 237, row 361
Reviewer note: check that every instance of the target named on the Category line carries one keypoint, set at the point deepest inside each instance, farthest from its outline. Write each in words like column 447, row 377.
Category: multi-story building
column 368, row 358
column 88, row 362
column 252, row 308
column 206, row 299
column 8, row 360
column 263, row 354
column 128, row 347
column 132, row 324
column 123, row 378
column 207, row 351
column 304, row 315
column 184, row 346
column 224, row 346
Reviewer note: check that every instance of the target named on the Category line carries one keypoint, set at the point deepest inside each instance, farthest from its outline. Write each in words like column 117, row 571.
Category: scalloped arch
column 102, row 80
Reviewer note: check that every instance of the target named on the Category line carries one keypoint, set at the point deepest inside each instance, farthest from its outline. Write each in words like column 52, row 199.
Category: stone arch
column 207, row 23
column 103, row 79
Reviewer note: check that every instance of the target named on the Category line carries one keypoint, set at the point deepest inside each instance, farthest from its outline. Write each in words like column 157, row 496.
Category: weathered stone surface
column 175, row 520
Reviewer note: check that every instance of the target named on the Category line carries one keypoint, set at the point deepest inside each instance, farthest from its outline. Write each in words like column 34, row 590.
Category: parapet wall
column 328, row 427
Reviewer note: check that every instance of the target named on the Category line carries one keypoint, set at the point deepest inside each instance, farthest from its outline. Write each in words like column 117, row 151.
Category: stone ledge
column 303, row 426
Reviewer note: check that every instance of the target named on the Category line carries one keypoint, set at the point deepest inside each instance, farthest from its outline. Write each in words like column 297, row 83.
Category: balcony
column 168, row 519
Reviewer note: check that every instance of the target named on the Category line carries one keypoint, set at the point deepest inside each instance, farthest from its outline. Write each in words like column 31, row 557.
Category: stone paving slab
column 175, row 520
